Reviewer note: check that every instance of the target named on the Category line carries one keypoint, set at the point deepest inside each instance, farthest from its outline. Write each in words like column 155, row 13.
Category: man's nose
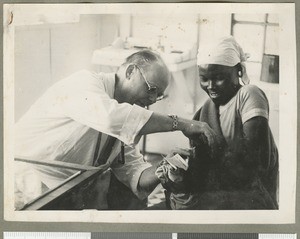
column 153, row 98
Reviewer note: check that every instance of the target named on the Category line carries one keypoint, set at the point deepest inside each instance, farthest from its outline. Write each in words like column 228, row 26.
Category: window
column 258, row 34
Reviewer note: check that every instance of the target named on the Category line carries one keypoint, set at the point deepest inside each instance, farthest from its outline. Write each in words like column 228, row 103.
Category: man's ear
column 129, row 70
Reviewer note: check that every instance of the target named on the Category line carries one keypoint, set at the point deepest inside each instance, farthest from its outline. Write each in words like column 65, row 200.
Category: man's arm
column 148, row 180
column 190, row 128
column 163, row 123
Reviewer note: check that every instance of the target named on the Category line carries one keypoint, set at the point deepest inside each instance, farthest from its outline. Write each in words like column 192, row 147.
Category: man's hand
column 183, row 152
column 170, row 178
column 200, row 131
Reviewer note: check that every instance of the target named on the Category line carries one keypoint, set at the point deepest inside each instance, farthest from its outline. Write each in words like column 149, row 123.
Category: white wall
column 210, row 27
column 46, row 53
column 188, row 29
column 179, row 29
column 32, row 66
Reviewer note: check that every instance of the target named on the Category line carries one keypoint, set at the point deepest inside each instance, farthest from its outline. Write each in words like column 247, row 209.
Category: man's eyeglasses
column 151, row 89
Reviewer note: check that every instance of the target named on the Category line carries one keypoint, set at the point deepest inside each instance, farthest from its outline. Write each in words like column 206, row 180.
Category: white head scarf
column 226, row 52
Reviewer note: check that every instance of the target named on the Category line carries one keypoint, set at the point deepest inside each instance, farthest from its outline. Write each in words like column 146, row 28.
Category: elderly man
column 86, row 118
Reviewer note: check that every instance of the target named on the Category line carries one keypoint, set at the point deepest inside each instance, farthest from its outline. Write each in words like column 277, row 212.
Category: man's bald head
column 142, row 79
column 152, row 66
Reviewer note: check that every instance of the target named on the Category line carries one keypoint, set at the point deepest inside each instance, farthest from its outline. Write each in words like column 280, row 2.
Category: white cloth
column 225, row 51
column 63, row 125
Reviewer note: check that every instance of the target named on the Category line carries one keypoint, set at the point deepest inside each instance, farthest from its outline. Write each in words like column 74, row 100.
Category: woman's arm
column 255, row 145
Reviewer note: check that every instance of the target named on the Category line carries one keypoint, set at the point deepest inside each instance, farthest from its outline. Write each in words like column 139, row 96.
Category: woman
column 243, row 174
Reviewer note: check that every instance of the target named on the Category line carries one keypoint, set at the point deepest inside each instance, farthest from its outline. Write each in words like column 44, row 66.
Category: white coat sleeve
column 89, row 104
column 130, row 172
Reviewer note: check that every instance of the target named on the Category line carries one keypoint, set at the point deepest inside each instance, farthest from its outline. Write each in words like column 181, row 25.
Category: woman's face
column 219, row 82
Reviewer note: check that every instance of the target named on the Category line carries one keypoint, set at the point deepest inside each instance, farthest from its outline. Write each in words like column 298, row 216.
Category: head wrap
column 227, row 52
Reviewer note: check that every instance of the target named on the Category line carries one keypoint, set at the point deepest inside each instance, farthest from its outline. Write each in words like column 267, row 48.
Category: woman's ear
column 129, row 70
column 240, row 70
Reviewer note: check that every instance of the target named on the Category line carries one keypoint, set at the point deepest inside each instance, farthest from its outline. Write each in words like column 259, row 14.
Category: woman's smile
column 213, row 94
column 219, row 82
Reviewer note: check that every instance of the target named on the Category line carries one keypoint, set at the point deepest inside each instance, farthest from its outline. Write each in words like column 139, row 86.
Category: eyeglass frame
column 151, row 89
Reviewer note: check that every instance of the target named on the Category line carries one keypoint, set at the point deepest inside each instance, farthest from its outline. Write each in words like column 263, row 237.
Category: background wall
column 179, row 31
column 45, row 53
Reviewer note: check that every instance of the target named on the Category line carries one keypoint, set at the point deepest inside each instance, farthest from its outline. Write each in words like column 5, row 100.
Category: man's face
column 147, row 87
column 219, row 82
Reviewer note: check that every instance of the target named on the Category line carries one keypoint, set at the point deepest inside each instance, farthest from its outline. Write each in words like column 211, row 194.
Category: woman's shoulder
column 250, row 91
column 252, row 99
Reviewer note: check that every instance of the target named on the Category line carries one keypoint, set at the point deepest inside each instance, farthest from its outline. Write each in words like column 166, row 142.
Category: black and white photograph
column 150, row 113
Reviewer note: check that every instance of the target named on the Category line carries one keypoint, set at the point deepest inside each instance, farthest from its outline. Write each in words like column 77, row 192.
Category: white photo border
column 287, row 117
